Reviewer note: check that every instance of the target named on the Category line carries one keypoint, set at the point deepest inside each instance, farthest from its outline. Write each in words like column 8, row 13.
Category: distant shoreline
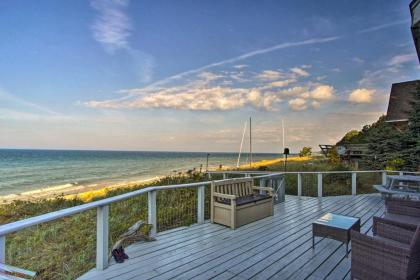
column 89, row 191
column 71, row 190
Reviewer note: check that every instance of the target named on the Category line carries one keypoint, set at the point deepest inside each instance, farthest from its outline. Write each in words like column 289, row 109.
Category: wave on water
column 39, row 173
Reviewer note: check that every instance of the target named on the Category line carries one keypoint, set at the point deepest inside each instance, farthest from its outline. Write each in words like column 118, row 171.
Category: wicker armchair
column 403, row 210
column 392, row 253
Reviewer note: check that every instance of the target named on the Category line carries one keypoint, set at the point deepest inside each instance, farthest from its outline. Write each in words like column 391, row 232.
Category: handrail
column 19, row 225
column 308, row 172
column 102, row 205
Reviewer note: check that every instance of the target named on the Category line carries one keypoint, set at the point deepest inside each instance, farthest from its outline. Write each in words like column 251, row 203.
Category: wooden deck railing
column 102, row 206
column 102, row 209
column 319, row 177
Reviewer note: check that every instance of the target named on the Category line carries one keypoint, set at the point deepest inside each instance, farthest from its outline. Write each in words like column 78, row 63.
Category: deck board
column 277, row 247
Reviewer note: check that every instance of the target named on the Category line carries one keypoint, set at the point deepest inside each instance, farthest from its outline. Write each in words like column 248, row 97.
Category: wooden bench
column 236, row 202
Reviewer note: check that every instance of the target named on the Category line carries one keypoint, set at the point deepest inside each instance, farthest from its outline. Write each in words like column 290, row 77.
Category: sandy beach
column 69, row 191
column 90, row 191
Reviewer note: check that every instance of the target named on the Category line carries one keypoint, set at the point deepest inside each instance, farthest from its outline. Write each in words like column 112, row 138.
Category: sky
column 187, row 75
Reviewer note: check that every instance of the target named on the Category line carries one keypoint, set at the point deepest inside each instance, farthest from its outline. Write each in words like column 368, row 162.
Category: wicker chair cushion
column 245, row 199
column 414, row 221
column 393, row 243
column 402, row 202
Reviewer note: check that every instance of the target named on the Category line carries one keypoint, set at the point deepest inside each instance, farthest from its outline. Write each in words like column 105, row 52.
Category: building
column 415, row 24
column 400, row 102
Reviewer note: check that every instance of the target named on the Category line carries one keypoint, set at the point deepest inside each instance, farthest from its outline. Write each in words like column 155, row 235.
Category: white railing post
column 102, row 237
column 383, row 178
column 247, row 175
column 3, row 249
column 151, row 212
column 262, row 184
column 353, row 183
column 401, row 173
column 319, row 184
column 200, row 204
column 224, row 176
column 299, row 184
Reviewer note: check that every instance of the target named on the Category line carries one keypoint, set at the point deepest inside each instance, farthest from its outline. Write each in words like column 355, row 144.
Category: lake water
column 25, row 170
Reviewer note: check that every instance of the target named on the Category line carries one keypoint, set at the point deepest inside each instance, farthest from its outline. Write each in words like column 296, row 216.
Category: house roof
column 400, row 100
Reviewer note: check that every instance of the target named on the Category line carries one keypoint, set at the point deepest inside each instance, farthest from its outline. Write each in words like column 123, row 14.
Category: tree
column 305, row 152
column 411, row 137
column 352, row 137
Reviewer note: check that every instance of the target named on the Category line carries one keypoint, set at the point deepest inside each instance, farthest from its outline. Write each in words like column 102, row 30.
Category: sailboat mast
column 250, row 143
column 240, row 148
column 282, row 126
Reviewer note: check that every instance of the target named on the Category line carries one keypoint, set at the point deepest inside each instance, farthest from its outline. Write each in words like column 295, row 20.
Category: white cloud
column 282, row 83
column 270, row 75
column 298, row 104
column 402, row 58
column 196, row 96
column 315, row 104
column 243, row 57
column 361, row 95
column 382, row 26
column 240, row 66
column 293, row 91
column 358, row 60
column 224, row 90
column 323, row 93
column 299, row 71
column 112, row 27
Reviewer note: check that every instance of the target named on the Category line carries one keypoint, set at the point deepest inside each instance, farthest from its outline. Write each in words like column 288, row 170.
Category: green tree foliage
column 390, row 147
column 333, row 156
column 352, row 137
column 411, row 137
column 306, row 151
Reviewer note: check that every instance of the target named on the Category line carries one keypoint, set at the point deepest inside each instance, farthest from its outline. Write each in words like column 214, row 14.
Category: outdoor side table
column 336, row 227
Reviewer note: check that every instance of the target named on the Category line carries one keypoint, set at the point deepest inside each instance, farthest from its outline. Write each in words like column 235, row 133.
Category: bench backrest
column 237, row 186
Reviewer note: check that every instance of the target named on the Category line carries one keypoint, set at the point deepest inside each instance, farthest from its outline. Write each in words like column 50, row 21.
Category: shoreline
column 88, row 192
column 70, row 191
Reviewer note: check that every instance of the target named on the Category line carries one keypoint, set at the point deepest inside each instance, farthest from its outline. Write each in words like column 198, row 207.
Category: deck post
column 383, row 178
column 3, row 249
column 262, row 184
column 247, row 175
column 224, row 176
column 299, row 184
column 319, row 184
column 200, row 204
column 102, row 237
column 401, row 173
column 353, row 183
column 151, row 212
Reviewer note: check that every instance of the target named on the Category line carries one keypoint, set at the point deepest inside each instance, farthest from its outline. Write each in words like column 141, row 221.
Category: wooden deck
column 277, row 247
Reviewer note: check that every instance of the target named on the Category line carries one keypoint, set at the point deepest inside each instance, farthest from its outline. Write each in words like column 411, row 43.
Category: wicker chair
column 393, row 252
column 403, row 210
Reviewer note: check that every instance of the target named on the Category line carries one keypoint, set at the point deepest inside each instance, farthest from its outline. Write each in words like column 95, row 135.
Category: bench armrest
column 222, row 195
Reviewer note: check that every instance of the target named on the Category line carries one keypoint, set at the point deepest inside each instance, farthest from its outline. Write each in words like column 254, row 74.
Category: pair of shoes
column 119, row 255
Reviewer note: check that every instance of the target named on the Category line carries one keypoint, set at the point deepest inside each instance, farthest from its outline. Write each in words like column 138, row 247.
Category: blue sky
column 185, row 75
